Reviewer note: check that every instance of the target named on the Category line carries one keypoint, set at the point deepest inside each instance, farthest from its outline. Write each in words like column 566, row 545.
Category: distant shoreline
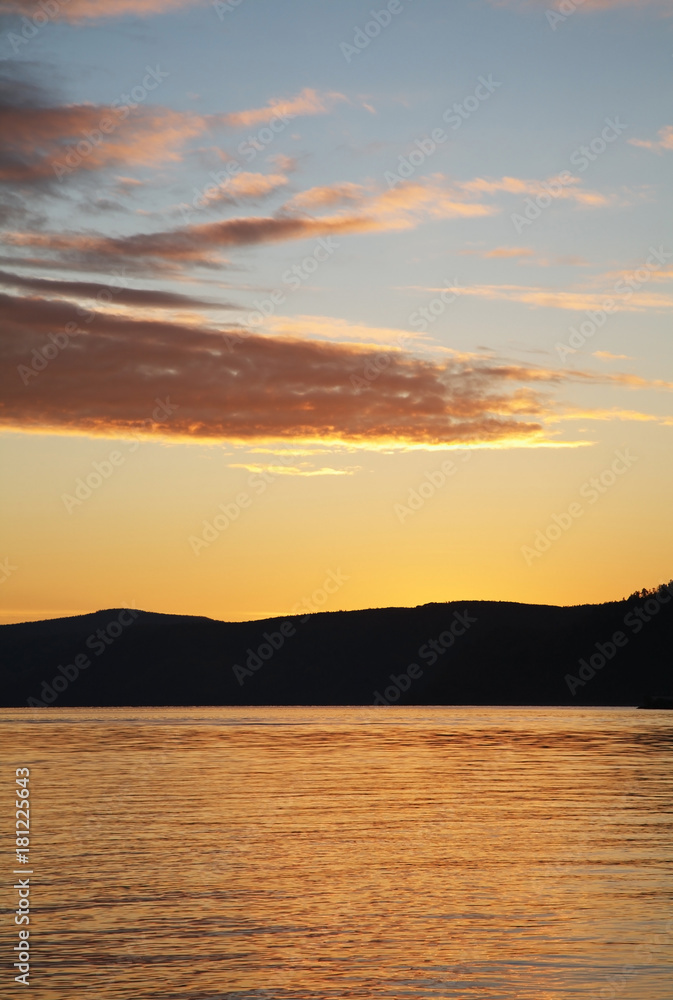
column 457, row 653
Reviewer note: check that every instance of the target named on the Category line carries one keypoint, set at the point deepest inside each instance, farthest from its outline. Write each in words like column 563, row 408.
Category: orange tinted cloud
column 576, row 301
column 432, row 197
column 614, row 414
column 527, row 256
column 42, row 143
column 338, row 329
column 607, row 356
column 286, row 164
column 510, row 252
column 569, row 189
column 301, row 469
column 500, row 252
column 244, row 187
column 582, row 5
column 308, row 102
column 664, row 140
column 82, row 10
column 327, row 196
column 399, row 207
column 226, row 385
column 402, row 208
column 106, row 376
column 197, row 244
column 138, row 297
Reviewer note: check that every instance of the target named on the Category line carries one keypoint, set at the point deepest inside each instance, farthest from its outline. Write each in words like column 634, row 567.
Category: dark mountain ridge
column 474, row 652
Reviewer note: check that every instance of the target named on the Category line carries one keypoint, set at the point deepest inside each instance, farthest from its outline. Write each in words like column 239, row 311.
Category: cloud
column 18, row 211
column 124, row 184
column 657, row 273
column 401, row 208
column 510, row 252
column 42, row 143
column 607, row 356
column 107, row 378
column 499, row 252
column 613, row 414
column 108, row 374
column 565, row 260
column 664, row 140
column 113, row 292
column 308, row 102
column 195, row 244
column 285, row 164
column 243, row 187
column 581, row 5
column 328, row 196
column 624, row 379
column 340, row 330
column 569, row 189
column 630, row 381
column 302, row 469
column 575, row 301
column 439, row 197
column 432, row 197
column 84, row 10
column 526, row 255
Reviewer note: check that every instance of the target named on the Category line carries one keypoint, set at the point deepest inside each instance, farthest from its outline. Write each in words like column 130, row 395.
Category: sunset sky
column 371, row 303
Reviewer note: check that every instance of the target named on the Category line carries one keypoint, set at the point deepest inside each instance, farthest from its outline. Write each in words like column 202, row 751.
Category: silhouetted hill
column 478, row 652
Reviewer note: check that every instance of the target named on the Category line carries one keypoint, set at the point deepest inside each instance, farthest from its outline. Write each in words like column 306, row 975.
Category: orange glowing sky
column 280, row 305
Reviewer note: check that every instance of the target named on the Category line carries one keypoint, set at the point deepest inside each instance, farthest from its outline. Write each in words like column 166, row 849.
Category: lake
column 323, row 853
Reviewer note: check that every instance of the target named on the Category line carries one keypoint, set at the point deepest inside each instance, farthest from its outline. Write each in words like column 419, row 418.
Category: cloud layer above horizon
column 290, row 378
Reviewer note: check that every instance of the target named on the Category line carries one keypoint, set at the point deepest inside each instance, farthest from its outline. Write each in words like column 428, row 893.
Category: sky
column 333, row 306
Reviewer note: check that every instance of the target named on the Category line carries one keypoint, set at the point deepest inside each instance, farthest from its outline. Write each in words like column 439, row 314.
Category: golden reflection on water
column 319, row 853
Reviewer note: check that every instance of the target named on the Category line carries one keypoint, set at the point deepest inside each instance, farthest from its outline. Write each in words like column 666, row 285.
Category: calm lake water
column 321, row 853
